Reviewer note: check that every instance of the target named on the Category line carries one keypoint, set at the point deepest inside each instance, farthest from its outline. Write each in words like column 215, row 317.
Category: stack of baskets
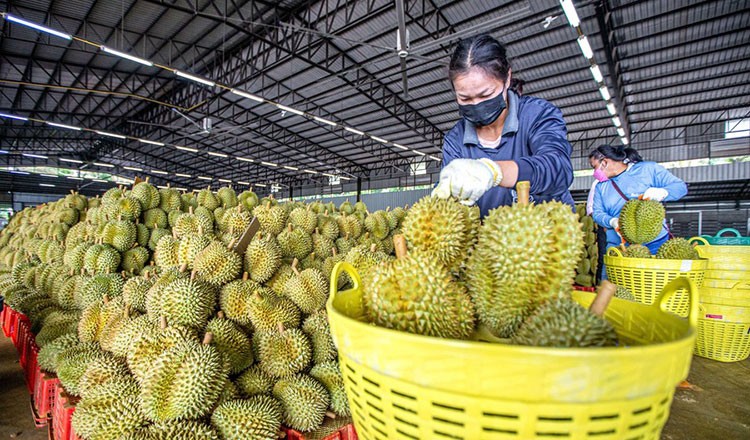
column 406, row 386
column 724, row 322
column 646, row 277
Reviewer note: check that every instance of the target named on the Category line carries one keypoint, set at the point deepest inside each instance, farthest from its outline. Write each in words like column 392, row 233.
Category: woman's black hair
column 486, row 53
column 619, row 153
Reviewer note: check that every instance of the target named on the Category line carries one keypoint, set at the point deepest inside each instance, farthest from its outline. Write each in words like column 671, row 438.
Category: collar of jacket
column 510, row 126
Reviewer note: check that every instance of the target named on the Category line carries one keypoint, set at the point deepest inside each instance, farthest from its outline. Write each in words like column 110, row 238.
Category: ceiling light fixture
column 35, row 156
column 310, row 171
column 244, row 159
column 291, row 168
column 23, row 173
column 379, row 139
column 48, row 185
column 436, row 158
column 621, row 132
column 159, row 172
column 194, row 78
column 62, row 159
column 146, row 141
column 222, row 155
column 400, row 146
column 624, row 140
column 20, row 118
column 114, row 135
column 182, row 175
column 247, row 95
column 205, row 178
column 583, row 42
column 183, row 148
column 611, row 109
column 133, row 168
column 616, row 121
column 269, row 164
column 325, row 121
column 419, row 153
column 69, row 127
column 570, row 12
column 126, row 56
column 354, row 130
column 605, row 93
column 38, row 27
column 597, row 73
column 225, row 180
column 102, row 164
column 243, row 183
column 261, row 185
column 290, row 110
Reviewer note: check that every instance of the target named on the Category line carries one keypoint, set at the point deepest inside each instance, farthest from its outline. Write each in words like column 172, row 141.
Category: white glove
column 468, row 179
column 615, row 223
column 657, row 194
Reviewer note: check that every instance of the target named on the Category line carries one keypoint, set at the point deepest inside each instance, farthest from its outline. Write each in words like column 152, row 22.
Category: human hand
column 658, row 194
column 468, row 179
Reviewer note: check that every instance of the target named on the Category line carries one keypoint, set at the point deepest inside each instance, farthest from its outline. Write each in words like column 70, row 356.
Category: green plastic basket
column 733, row 240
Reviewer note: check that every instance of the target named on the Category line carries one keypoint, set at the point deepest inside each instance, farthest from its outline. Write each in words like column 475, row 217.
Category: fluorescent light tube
column 435, row 158
column 159, row 172
column 616, row 121
column 244, row 159
column 325, row 121
column 355, row 131
column 37, row 27
column 624, row 140
column 146, row 141
column 69, row 127
column 419, row 153
column 570, row 12
column 247, row 95
column 290, row 110
column 20, row 118
column 114, row 135
column 182, row 175
column 183, row 148
column 611, row 109
column 379, row 139
column 62, row 159
column 621, row 132
column 100, row 180
column 330, row 175
column 345, row 178
column 225, row 180
column 261, row 185
column 605, row 93
column 212, row 153
column 205, row 178
column 133, row 168
column 291, row 168
column 126, row 56
column 49, row 185
column 583, row 42
column 194, row 78
column 162, row 186
column 400, row 146
column 310, row 171
column 243, row 183
column 23, row 173
column 269, row 164
column 597, row 73
column 35, row 156
column 101, row 164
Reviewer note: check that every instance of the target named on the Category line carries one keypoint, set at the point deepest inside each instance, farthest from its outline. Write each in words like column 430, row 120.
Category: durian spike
column 208, row 338
column 183, row 267
column 604, row 294
column 220, row 314
column 162, row 322
column 295, row 262
column 399, row 243
column 330, row 415
column 522, row 192
column 245, row 276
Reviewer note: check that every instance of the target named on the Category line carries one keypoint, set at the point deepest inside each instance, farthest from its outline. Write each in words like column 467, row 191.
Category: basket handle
column 671, row 288
column 740, row 284
column 615, row 250
column 700, row 240
column 343, row 266
column 732, row 230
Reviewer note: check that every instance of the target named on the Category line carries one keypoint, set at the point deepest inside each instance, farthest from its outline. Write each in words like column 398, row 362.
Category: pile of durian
column 589, row 262
column 144, row 309
column 510, row 275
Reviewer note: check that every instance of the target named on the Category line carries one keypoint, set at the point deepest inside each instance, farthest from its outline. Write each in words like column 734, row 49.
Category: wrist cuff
column 497, row 173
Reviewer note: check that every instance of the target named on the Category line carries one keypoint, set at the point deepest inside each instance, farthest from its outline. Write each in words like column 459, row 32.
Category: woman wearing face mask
column 623, row 175
column 503, row 137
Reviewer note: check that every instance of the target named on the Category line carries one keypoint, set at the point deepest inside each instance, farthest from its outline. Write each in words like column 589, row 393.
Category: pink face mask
column 600, row 175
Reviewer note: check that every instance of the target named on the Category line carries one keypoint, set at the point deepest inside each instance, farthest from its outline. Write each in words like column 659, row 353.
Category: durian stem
column 183, row 267
column 604, row 294
column 220, row 314
column 280, row 326
column 245, row 276
column 399, row 243
column 162, row 322
column 330, row 415
column 192, row 275
column 281, row 434
column 231, row 243
column 295, row 262
column 373, row 247
column 208, row 338
column 522, row 192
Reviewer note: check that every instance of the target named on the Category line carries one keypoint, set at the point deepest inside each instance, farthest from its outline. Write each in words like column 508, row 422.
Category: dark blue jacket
column 535, row 137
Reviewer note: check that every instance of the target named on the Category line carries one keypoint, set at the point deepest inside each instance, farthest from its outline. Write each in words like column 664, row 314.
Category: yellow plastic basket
column 723, row 333
column 738, row 295
column 406, row 386
column 646, row 277
column 731, row 262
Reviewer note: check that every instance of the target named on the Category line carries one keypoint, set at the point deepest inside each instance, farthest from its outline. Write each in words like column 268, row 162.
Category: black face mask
column 485, row 112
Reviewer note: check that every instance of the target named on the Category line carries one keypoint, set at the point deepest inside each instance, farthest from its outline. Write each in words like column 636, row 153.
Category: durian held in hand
column 641, row 220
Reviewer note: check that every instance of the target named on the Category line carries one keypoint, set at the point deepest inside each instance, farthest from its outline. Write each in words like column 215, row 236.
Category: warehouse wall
column 691, row 219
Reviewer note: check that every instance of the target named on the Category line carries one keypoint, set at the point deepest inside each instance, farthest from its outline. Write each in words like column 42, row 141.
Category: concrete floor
column 716, row 408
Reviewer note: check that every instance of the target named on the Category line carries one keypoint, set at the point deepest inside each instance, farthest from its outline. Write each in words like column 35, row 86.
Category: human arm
column 664, row 180
column 600, row 215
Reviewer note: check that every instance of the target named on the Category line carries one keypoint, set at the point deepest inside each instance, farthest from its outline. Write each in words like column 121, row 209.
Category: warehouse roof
column 677, row 71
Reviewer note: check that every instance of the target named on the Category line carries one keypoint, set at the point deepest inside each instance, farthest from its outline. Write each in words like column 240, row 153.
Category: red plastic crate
column 7, row 319
column 22, row 344
column 16, row 322
column 344, row 433
column 584, row 288
column 2, row 317
column 43, row 398
column 62, row 413
column 31, row 370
